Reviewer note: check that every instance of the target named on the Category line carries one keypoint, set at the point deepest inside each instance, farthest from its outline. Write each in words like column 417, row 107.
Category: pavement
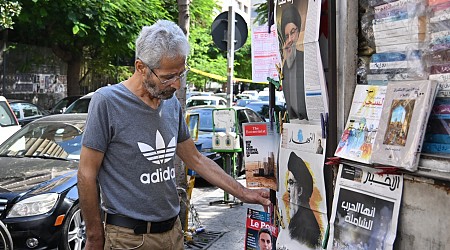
column 230, row 221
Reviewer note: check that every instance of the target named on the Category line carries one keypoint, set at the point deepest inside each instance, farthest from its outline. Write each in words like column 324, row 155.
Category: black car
column 26, row 111
column 62, row 104
column 38, row 184
column 244, row 115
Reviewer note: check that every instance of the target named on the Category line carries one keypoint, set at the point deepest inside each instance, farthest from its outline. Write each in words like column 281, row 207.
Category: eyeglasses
column 173, row 79
column 291, row 33
column 291, row 182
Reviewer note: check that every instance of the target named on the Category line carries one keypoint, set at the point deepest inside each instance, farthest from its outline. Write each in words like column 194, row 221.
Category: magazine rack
column 226, row 142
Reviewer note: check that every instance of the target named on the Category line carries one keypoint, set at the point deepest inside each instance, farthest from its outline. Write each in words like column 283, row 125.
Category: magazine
column 301, row 193
column 260, row 234
column 404, row 117
column 365, row 209
column 362, row 124
column 260, row 154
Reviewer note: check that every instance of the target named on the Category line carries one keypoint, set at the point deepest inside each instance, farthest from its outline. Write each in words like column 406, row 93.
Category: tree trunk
column 183, row 22
column 73, row 76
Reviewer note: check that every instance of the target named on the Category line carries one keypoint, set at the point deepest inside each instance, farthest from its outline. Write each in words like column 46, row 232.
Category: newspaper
column 365, row 209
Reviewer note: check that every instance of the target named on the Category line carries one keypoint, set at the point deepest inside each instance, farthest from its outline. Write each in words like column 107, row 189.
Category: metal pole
column 5, row 38
column 230, row 54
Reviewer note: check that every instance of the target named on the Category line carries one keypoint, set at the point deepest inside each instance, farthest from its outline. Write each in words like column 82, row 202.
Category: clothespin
column 386, row 170
column 333, row 161
column 324, row 124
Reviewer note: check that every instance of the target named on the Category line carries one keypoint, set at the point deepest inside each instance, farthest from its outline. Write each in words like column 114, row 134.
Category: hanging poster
column 260, row 152
column 260, row 234
column 303, row 83
column 365, row 209
column 301, row 196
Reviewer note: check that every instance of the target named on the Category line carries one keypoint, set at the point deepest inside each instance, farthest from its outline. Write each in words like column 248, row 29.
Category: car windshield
column 79, row 106
column 47, row 140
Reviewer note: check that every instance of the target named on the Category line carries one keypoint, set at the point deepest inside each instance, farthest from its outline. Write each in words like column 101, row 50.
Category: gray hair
column 162, row 39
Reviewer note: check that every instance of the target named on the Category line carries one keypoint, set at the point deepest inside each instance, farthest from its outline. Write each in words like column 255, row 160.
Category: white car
column 8, row 121
column 206, row 101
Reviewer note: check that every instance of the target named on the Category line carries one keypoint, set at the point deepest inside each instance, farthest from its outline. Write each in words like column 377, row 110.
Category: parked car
column 244, row 102
column 62, row 104
column 38, row 188
column 8, row 121
column 26, row 111
column 206, row 101
column 262, row 108
column 80, row 105
column 205, row 133
column 253, row 93
column 264, row 96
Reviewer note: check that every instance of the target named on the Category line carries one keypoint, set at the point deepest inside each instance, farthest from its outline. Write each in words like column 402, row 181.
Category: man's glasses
column 173, row 79
column 291, row 33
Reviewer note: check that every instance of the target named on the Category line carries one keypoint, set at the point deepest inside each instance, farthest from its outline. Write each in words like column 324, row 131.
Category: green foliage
column 262, row 10
column 8, row 9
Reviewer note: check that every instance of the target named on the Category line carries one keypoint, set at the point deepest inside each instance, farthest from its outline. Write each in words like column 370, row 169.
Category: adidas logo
column 160, row 155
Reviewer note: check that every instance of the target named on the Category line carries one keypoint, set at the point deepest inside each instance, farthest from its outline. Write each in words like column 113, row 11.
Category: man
column 293, row 83
column 132, row 133
column 265, row 239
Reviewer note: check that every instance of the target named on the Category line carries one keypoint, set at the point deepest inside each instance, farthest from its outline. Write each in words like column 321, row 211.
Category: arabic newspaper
column 365, row 209
column 256, row 222
column 301, row 192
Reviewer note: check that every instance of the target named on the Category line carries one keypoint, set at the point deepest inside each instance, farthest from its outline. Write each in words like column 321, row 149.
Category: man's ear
column 140, row 66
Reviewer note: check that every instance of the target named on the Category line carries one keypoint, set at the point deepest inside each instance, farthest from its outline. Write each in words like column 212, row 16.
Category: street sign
column 219, row 29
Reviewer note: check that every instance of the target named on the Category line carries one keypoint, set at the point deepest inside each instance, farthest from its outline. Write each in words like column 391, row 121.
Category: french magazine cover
column 365, row 209
column 362, row 124
column 403, row 123
column 260, row 155
column 301, row 193
column 260, row 234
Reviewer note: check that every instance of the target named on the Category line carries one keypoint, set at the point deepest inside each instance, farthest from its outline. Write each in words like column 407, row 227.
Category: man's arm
column 90, row 163
column 215, row 175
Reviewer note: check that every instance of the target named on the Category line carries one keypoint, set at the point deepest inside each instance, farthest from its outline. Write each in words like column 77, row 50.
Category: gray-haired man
column 132, row 133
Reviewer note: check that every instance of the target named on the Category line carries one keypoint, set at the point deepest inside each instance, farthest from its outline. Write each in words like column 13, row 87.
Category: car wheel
column 74, row 230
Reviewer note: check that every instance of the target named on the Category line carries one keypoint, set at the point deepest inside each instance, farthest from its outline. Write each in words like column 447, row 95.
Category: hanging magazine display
column 365, row 209
column 301, row 192
column 403, row 122
column 260, row 152
column 362, row 124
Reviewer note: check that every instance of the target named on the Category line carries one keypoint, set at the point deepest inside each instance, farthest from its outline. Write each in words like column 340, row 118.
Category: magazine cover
column 365, row 209
column 301, row 194
column 403, row 121
column 362, row 124
column 260, row 234
column 260, row 153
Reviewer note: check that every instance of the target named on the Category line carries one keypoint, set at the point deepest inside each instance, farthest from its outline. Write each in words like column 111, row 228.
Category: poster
column 303, row 84
column 260, row 234
column 260, row 154
column 365, row 209
column 301, row 196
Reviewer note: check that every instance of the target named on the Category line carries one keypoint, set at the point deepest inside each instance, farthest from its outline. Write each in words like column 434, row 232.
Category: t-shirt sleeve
column 183, row 132
column 97, row 133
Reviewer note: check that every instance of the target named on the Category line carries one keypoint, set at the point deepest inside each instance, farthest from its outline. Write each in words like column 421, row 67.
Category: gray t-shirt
column 137, row 177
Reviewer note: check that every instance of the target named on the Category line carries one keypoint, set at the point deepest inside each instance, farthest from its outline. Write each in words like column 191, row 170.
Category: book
column 259, row 230
column 362, row 124
column 365, row 209
column 406, row 109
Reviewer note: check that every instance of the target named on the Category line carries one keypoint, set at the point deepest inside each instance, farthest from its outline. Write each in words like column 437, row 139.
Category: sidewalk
column 222, row 218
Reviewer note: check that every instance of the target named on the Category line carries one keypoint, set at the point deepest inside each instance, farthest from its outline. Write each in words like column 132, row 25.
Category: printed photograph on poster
column 260, row 154
column 365, row 209
column 301, row 195
column 260, row 234
column 298, row 25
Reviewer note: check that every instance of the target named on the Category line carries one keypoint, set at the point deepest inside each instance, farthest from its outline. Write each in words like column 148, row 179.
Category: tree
column 84, row 29
column 8, row 9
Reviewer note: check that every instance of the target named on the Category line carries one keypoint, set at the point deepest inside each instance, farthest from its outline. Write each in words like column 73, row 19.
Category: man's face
column 291, row 32
column 265, row 242
column 294, row 193
column 167, row 70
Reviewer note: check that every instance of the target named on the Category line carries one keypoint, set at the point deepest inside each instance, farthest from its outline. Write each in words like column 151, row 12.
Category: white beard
column 290, row 59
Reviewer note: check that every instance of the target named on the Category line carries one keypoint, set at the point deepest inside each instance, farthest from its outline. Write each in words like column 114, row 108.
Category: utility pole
column 230, row 54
